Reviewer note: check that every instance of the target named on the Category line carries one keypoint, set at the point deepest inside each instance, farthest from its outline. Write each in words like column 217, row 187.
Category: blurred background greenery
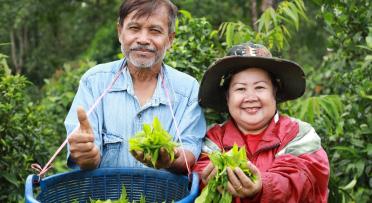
column 46, row 45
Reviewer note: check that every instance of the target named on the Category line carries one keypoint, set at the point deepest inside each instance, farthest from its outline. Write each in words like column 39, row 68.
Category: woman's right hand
column 208, row 173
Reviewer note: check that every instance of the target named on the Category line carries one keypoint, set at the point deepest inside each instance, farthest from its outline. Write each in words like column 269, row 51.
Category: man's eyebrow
column 132, row 23
column 157, row 27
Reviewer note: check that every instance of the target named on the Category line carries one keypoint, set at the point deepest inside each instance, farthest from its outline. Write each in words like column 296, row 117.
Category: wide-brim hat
column 288, row 74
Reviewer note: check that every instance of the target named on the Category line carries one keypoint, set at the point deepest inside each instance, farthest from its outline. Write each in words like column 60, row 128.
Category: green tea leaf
column 234, row 158
column 151, row 139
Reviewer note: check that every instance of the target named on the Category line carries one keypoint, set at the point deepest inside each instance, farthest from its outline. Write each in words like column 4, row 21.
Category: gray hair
column 146, row 8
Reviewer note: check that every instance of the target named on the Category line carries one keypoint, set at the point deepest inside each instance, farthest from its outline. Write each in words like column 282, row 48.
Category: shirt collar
column 125, row 83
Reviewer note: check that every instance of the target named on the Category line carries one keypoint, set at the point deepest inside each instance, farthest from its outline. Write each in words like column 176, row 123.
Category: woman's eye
column 260, row 87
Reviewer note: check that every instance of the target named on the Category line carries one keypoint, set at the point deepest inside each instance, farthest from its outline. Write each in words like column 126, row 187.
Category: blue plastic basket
column 106, row 183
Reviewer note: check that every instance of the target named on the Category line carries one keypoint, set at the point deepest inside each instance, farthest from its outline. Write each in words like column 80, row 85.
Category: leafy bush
column 22, row 138
column 273, row 26
column 34, row 128
column 195, row 46
column 346, row 71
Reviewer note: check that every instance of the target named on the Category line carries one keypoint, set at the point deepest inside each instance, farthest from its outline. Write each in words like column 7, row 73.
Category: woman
column 285, row 153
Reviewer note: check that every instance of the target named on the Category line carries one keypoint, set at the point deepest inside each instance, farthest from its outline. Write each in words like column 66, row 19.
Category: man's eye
column 155, row 31
column 133, row 28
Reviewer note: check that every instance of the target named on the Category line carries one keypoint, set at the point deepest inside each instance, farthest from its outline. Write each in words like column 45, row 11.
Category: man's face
column 145, row 40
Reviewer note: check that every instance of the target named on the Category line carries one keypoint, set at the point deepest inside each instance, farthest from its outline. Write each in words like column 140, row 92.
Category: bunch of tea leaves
column 151, row 139
column 123, row 198
column 234, row 158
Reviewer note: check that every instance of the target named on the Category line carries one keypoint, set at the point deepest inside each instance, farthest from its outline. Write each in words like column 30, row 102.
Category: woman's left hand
column 240, row 185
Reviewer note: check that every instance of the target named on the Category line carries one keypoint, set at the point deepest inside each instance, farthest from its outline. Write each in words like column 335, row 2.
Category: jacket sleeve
column 300, row 171
column 301, row 178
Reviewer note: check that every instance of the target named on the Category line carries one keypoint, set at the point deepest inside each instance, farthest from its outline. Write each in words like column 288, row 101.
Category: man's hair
column 147, row 8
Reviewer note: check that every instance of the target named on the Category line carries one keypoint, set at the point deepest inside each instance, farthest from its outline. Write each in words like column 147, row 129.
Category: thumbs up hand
column 82, row 148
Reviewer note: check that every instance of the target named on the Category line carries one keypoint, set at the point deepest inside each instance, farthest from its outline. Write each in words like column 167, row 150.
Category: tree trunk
column 18, row 40
column 266, row 4
column 254, row 14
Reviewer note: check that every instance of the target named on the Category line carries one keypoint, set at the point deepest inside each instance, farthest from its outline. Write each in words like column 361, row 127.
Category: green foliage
column 104, row 45
column 22, row 138
column 151, row 139
column 273, row 26
column 47, row 34
column 58, row 93
column 195, row 46
column 346, row 71
column 215, row 11
column 4, row 69
column 234, row 158
column 323, row 112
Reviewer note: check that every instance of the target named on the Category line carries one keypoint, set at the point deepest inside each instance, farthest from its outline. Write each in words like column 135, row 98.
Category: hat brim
column 290, row 74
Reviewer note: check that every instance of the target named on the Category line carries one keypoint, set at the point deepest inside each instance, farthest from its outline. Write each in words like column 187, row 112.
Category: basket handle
column 31, row 181
column 194, row 191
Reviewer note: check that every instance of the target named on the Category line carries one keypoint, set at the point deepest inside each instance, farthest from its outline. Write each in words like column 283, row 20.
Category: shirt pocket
column 112, row 145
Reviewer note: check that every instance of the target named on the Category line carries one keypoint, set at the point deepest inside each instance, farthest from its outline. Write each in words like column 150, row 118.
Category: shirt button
column 139, row 115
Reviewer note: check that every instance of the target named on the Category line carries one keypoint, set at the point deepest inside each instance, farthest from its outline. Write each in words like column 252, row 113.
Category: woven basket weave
column 107, row 183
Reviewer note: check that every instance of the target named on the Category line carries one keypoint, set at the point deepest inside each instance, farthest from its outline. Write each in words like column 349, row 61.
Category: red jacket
column 293, row 165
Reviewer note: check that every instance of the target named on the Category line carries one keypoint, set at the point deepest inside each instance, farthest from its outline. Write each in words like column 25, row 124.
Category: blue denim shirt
column 119, row 115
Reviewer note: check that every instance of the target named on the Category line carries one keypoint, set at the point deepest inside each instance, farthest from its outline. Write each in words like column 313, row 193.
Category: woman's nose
column 250, row 96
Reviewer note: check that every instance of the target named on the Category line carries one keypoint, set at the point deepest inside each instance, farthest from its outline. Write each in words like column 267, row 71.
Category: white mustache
column 143, row 48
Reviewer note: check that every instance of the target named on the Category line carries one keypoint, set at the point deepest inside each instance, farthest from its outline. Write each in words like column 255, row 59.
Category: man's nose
column 143, row 38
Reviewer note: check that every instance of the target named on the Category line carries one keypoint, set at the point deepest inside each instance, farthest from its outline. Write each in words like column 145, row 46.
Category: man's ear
column 171, row 37
column 118, row 29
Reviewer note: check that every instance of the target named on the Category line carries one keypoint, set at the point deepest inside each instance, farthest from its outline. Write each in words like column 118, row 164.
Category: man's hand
column 164, row 160
column 178, row 165
column 82, row 148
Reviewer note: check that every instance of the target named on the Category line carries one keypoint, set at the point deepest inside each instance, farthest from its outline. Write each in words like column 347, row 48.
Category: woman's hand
column 240, row 185
column 208, row 173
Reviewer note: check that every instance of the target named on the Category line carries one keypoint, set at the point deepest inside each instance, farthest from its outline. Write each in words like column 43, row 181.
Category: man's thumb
column 83, row 120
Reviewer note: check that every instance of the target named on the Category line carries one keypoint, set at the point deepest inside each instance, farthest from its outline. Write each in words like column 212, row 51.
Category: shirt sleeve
column 192, row 124
column 85, row 98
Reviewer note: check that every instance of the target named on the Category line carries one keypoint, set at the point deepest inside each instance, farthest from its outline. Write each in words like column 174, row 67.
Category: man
column 145, row 88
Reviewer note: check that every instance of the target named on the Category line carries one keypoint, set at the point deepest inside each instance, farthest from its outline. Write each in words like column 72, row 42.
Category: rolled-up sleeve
column 192, row 123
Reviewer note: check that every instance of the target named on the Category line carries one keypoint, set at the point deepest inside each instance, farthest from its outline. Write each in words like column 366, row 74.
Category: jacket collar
column 281, row 128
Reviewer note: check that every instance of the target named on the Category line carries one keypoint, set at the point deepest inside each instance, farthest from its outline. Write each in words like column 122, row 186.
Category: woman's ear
column 227, row 95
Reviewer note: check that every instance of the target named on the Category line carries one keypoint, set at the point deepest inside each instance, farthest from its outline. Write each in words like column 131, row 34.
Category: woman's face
column 251, row 100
